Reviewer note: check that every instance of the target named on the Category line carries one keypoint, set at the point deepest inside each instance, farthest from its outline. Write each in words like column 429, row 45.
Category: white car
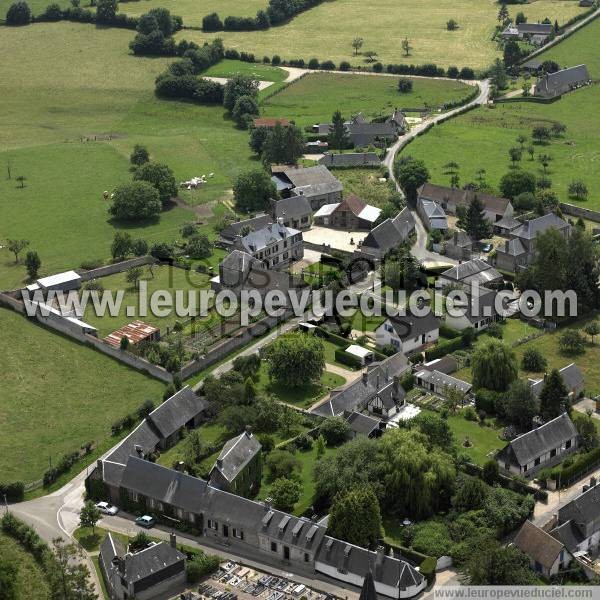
column 106, row 508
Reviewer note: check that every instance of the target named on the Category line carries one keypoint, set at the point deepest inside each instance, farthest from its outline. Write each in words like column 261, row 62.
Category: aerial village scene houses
column 295, row 311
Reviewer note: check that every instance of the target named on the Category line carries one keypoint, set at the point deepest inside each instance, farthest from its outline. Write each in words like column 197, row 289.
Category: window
column 285, row 243
column 389, row 328
column 212, row 524
column 568, row 444
column 306, row 557
column 553, row 453
column 536, row 462
column 273, row 546
column 133, row 495
column 238, row 533
column 285, row 255
column 276, row 260
column 525, row 468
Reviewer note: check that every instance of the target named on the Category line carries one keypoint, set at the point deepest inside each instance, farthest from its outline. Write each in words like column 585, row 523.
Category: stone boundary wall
column 116, row 267
column 579, row 211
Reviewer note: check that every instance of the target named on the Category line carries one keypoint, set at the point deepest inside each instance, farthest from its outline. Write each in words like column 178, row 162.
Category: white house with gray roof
column 408, row 333
column 475, row 271
column 276, row 245
column 432, row 214
column 540, row 448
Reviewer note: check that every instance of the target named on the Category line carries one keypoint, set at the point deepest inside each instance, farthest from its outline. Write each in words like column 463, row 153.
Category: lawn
column 384, row 24
column 485, row 135
column 315, row 97
column 30, row 579
column 259, row 71
column 56, row 395
column 159, row 278
column 366, row 185
column 305, row 396
column 578, row 48
column 307, row 459
column 483, row 438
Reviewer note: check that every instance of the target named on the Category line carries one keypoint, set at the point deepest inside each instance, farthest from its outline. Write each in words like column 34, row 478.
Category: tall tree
column 412, row 174
column 337, row 135
column 494, row 366
column 135, row 201
column 161, row 177
column 239, row 85
column 357, row 44
column 476, row 224
column 89, row 515
column 553, row 396
column 355, row 517
column 521, row 405
column 296, row 359
column 406, row 47
column 253, row 190
column 68, row 576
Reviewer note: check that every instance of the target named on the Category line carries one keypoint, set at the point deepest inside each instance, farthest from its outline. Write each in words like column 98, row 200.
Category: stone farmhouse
column 408, row 333
column 450, row 199
column 238, row 468
column 294, row 212
column 537, row 33
column 316, row 184
column 540, row 448
column 552, row 85
column 275, row 245
column 389, row 234
column 154, row 572
column 351, row 214
column 519, row 251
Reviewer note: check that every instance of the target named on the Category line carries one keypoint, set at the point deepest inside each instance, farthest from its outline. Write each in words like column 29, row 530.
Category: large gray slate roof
column 549, row 436
column 471, row 270
column 350, row 159
column 553, row 84
column 353, row 559
column 583, row 509
column 151, row 560
column 173, row 414
column 530, row 229
column 378, row 378
column 571, row 375
column 293, row 207
column 262, row 238
column 411, row 326
column 362, row 424
column 319, row 174
column 236, row 454
column 442, row 379
column 390, row 233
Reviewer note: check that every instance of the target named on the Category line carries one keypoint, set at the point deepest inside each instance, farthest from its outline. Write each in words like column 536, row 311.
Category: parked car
column 145, row 521
column 107, row 509
column 486, row 247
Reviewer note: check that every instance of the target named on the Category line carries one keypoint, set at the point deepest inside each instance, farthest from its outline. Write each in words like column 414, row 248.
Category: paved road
column 419, row 250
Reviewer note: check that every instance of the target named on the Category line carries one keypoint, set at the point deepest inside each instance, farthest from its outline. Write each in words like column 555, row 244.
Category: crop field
column 481, row 139
column 56, row 395
column 578, row 48
column 326, row 31
column 315, row 97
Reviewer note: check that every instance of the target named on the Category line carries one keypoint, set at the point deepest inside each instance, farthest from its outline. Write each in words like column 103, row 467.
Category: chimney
column 173, row 540
column 248, row 431
column 220, row 463
column 377, row 381
column 379, row 559
column 365, row 377
column 396, row 383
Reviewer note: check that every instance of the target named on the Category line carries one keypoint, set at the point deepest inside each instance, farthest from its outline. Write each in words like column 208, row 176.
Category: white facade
column 386, row 335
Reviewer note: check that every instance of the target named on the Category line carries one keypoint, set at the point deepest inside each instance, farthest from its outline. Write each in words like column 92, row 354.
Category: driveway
column 419, row 250
column 339, row 239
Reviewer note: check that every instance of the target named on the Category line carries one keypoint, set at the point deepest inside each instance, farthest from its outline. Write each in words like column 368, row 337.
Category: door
column 286, row 552
column 225, row 530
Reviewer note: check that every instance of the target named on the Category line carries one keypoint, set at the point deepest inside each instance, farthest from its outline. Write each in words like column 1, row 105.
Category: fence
column 580, row 211
column 116, row 267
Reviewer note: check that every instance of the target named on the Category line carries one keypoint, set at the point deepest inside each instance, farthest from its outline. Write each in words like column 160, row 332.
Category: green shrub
column 347, row 359
column 200, row 566
column 14, row 491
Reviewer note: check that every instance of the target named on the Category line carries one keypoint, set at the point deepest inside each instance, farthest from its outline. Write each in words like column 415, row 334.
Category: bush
column 405, row 85
column 347, row 359
column 276, row 60
column 488, row 400
column 14, row 491
column 200, row 566
column 328, row 65
column 533, row 360
column 345, row 66
column 407, row 382
column 377, row 67
column 469, row 414
column 335, row 431
column 64, row 464
column 18, row 13
column 313, row 63
column 449, row 332
column 303, row 442
column 212, row 22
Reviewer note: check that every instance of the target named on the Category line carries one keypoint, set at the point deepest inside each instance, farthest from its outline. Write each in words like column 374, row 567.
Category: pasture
column 481, row 138
column 315, row 97
column 578, row 48
column 56, row 395
column 326, row 31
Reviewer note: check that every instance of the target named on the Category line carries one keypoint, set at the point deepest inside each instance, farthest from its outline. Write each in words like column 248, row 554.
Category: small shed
column 64, row 282
column 365, row 356
column 136, row 332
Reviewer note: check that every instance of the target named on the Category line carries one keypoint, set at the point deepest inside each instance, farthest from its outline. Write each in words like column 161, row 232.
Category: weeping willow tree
column 418, row 478
column 494, row 366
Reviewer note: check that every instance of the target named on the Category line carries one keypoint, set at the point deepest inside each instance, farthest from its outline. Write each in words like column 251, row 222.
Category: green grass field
column 327, row 31
column 55, row 395
column 485, row 135
column 29, row 582
column 164, row 278
column 578, row 48
column 315, row 97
